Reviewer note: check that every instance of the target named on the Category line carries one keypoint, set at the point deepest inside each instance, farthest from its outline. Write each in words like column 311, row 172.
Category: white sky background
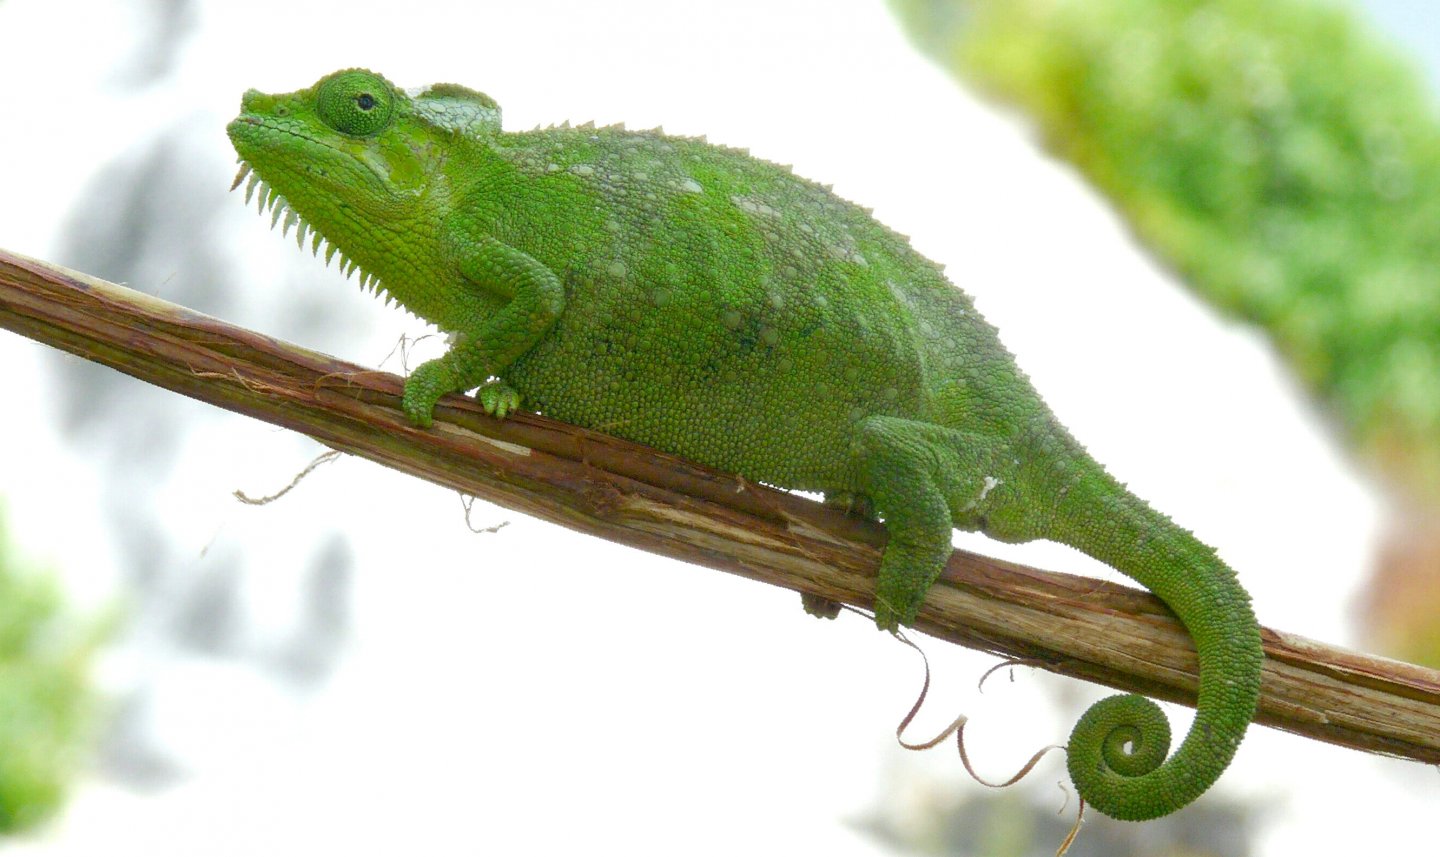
column 538, row 692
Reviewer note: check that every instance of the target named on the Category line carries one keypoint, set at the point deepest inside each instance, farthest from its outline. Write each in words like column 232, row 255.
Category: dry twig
column 607, row 487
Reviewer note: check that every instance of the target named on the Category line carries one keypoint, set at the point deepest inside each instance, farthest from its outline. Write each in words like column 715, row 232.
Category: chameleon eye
column 357, row 103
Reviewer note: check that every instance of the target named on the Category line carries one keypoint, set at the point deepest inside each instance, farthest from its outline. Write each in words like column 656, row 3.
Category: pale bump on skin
column 701, row 301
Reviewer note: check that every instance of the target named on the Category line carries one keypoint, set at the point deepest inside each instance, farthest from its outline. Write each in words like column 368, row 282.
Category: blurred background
column 1205, row 228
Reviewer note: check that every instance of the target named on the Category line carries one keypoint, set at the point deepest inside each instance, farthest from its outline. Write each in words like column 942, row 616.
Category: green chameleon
column 704, row 302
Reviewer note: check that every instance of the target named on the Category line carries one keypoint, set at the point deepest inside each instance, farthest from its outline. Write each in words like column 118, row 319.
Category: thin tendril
column 957, row 728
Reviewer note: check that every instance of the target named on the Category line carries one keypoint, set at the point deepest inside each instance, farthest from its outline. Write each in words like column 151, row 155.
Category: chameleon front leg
column 483, row 346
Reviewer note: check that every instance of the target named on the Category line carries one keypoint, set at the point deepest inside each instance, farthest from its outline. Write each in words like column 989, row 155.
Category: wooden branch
column 619, row 491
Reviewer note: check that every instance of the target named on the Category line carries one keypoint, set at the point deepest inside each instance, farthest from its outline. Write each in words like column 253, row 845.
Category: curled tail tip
column 1117, row 757
column 1116, row 742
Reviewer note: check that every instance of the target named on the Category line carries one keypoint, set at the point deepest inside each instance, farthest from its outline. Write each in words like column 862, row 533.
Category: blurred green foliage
column 1282, row 158
column 47, row 705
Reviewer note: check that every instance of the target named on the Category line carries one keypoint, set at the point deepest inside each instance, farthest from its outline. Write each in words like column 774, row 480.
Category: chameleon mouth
column 285, row 216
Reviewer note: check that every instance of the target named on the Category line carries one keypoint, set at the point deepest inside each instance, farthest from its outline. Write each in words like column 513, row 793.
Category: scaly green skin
column 713, row 305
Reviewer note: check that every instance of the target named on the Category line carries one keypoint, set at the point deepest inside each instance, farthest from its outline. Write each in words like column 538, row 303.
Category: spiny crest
column 591, row 126
column 271, row 200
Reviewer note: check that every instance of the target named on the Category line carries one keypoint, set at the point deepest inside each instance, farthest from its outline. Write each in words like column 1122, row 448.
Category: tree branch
column 619, row 491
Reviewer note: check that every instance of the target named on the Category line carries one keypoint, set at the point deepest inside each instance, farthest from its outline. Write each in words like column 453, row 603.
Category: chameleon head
column 352, row 152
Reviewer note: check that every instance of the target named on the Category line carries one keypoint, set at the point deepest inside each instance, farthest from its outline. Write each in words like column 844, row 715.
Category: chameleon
column 701, row 301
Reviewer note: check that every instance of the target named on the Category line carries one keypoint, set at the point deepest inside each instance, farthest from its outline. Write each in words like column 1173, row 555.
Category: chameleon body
column 714, row 305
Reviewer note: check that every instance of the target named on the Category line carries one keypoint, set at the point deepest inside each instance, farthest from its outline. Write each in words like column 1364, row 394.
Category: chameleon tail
column 1117, row 750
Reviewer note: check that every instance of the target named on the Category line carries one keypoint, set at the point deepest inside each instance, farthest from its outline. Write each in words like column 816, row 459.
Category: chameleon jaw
column 285, row 215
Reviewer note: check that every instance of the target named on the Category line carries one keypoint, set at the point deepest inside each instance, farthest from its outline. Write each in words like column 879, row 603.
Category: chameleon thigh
column 908, row 469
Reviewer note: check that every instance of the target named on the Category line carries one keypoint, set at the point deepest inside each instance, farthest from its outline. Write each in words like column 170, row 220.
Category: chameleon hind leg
column 913, row 471
column 856, row 505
